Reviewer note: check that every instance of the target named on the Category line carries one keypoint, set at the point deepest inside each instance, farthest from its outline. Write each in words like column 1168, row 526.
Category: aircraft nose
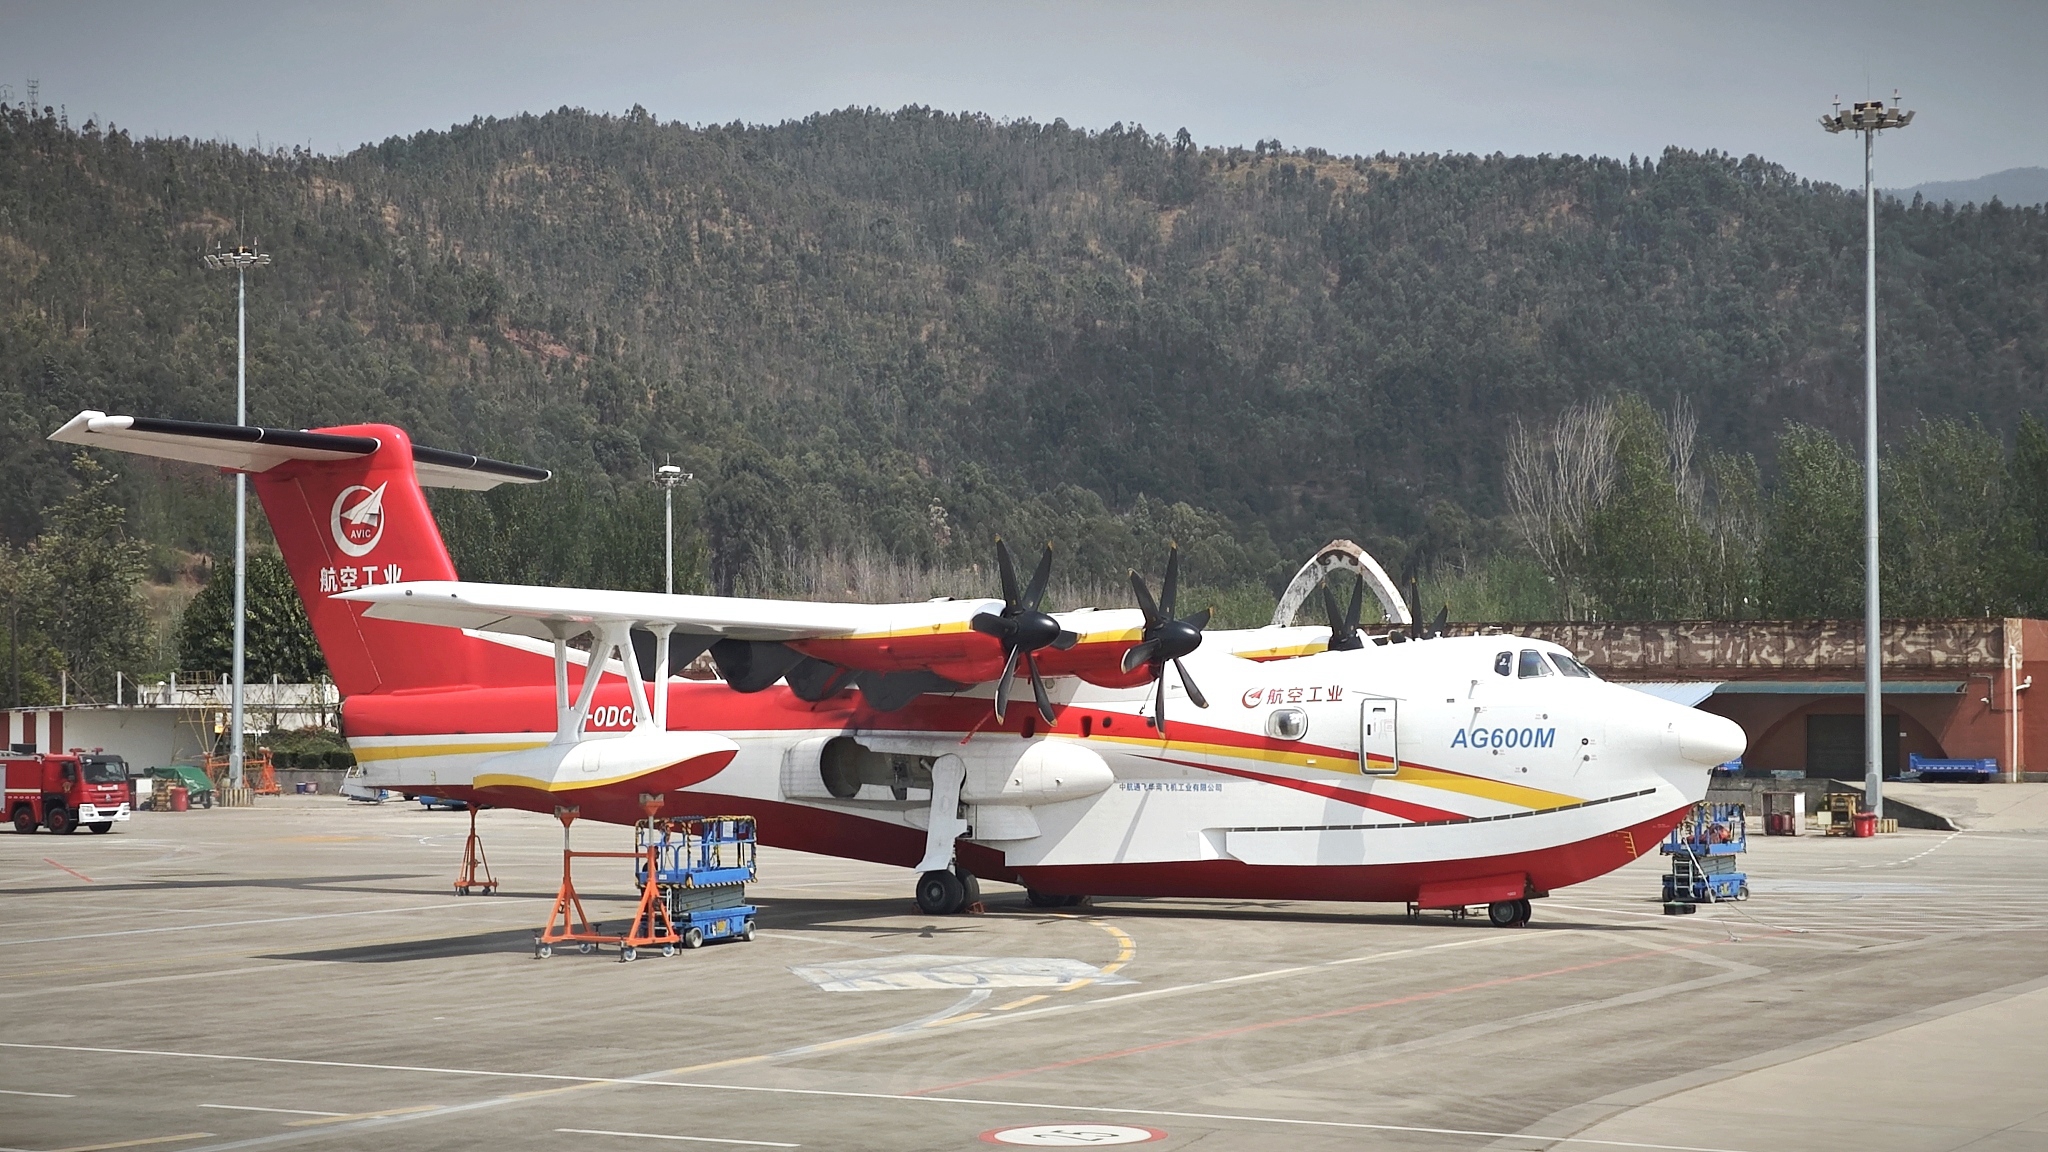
column 1705, row 738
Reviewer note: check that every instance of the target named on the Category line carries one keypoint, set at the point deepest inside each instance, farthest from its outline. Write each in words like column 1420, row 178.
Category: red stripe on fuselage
column 1353, row 796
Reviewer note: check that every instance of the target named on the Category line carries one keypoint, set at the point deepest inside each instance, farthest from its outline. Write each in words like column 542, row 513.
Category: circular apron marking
column 1072, row 1135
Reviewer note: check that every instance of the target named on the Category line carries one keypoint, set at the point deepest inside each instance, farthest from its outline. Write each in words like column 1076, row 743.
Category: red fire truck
column 61, row 792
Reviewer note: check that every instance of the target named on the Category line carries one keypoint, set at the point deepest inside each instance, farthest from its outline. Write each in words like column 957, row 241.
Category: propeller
column 1344, row 634
column 1166, row 639
column 1023, row 629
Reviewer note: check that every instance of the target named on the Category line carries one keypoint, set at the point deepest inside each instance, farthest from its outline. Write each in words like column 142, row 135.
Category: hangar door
column 1834, row 746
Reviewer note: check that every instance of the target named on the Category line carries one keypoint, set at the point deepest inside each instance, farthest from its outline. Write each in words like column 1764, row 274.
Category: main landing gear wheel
column 1508, row 913
column 940, row 893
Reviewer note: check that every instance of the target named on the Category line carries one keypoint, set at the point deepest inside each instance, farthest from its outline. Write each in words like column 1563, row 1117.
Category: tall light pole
column 1870, row 117
column 240, row 258
column 668, row 476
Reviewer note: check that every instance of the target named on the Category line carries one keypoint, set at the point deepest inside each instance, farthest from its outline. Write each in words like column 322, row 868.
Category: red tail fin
column 346, row 523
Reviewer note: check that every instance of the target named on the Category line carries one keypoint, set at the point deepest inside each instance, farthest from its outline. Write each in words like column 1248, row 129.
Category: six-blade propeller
column 1166, row 639
column 1344, row 633
column 1023, row 629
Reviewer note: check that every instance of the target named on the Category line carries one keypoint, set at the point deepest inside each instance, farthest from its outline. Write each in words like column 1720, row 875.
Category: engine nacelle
column 1048, row 772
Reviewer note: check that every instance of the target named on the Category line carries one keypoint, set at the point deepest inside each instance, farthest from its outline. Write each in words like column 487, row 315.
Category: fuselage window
column 1569, row 666
column 1533, row 665
column 1287, row 724
column 1504, row 664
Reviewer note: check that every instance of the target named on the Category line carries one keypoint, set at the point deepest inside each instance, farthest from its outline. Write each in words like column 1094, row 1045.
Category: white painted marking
column 495, row 901
column 283, row 1111
column 661, row 1136
column 920, row 972
column 892, row 1097
column 51, row 1095
column 1073, row 1135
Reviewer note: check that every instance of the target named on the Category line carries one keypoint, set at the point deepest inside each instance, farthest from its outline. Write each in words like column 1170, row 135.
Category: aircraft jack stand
column 473, row 862
column 568, row 923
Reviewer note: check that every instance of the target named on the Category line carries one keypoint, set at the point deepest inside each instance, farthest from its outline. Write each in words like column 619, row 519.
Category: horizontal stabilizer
column 246, row 448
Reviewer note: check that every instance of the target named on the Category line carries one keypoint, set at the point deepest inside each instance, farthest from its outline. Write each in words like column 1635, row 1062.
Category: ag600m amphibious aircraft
column 1154, row 759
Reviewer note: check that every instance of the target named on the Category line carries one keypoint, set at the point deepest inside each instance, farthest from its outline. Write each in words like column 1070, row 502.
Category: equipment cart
column 1703, row 850
column 705, row 863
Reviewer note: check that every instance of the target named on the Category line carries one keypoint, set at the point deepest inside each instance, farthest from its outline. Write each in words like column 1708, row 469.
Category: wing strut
column 613, row 637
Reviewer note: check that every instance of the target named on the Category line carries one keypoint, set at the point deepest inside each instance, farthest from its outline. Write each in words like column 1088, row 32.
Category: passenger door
column 1379, row 735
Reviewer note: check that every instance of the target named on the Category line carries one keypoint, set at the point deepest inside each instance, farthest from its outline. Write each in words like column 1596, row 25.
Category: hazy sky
column 1592, row 77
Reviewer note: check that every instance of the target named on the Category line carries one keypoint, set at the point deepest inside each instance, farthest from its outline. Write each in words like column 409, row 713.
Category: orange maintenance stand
column 568, row 923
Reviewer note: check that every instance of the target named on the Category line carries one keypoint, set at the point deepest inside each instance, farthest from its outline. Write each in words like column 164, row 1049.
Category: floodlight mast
column 668, row 476
column 240, row 259
column 1870, row 117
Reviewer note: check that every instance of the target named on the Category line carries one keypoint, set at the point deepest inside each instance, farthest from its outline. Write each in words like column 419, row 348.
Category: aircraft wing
column 535, row 611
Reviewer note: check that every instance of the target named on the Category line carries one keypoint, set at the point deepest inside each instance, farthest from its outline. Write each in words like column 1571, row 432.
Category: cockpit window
column 1504, row 664
column 1569, row 666
column 1533, row 665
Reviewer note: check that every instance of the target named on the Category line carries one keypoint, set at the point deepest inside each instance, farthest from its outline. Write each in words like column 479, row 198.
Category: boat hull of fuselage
column 1168, row 828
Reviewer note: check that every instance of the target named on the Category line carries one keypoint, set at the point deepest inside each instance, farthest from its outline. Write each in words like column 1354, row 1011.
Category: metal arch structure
column 1341, row 554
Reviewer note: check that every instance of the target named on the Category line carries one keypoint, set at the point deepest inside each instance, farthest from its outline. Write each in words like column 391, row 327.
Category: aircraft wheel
column 59, row 820
column 101, row 826
column 24, row 819
column 1508, row 913
column 970, row 887
column 940, row 893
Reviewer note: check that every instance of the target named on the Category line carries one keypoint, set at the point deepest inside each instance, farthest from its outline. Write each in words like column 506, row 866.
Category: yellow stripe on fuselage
column 419, row 751
column 1322, row 761
column 1480, row 786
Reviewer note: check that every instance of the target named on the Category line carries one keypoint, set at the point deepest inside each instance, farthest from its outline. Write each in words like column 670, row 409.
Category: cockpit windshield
column 1571, row 667
column 1532, row 665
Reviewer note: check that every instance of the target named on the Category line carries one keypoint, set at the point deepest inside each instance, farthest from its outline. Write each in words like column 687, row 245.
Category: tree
column 87, row 583
column 1813, row 555
column 277, row 640
column 1647, row 540
column 1557, row 479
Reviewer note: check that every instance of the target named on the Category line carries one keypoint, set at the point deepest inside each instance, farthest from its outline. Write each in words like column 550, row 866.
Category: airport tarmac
column 300, row 974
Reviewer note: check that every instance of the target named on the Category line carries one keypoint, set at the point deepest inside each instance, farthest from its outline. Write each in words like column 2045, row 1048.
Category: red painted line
column 1405, row 809
column 1244, row 1029
column 73, row 871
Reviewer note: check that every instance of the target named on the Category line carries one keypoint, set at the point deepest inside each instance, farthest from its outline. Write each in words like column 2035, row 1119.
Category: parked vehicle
column 61, row 792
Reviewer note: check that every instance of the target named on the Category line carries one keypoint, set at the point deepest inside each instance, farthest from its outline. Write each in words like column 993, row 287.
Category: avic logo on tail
column 358, row 519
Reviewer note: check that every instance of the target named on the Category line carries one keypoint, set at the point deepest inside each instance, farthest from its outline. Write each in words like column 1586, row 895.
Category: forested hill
column 898, row 334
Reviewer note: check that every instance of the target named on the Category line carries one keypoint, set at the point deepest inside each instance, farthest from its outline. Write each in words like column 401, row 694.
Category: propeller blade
column 1442, row 623
column 1357, row 607
column 1168, row 586
column 1159, row 707
column 1038, row 688
column 1145, row 604
column 1199, row 620
column 1009, row 573
column 991, row 624
column 1065, row 640
column 1035, row 591
column 1188, row 682
column 1139, row 653
column 1003, row 685
column 1338, row 633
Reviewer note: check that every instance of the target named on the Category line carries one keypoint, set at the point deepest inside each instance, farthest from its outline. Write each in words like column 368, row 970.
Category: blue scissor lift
column 1703, row 850
column 704, row 865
